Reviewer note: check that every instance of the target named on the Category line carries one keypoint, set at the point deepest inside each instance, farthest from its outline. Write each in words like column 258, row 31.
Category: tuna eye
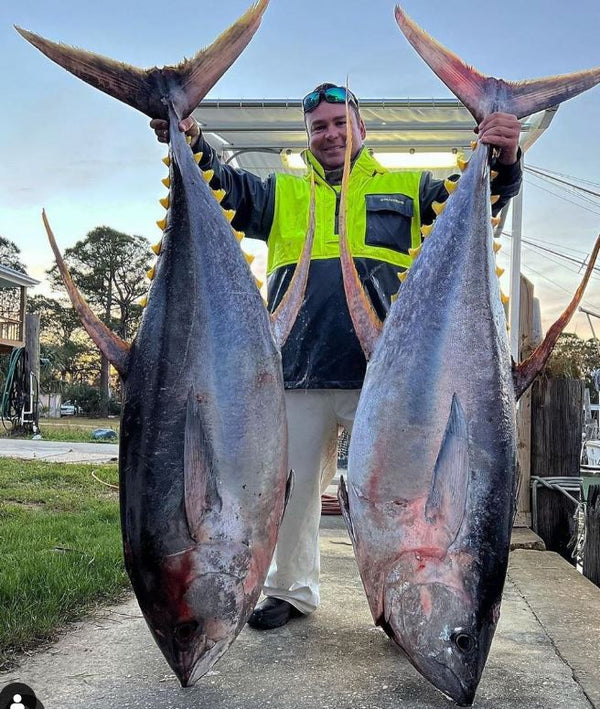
column 184, row 632
column 463, row 642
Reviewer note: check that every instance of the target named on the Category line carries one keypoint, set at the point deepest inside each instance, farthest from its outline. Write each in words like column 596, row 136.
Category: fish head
column 198, row 606
column 445, row 633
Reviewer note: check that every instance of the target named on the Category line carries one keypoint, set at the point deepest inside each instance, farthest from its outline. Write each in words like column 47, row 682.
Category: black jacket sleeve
column 252, row 199
column 507, row 184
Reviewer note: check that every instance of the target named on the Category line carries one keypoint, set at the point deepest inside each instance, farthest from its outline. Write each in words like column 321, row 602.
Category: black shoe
column 272, row 613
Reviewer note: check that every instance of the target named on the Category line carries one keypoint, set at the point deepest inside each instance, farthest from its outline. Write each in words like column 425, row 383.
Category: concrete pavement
column 546, row 654
column 57, row 451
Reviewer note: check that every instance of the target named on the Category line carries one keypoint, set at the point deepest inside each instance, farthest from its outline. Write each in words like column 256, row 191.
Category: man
column 323, row 363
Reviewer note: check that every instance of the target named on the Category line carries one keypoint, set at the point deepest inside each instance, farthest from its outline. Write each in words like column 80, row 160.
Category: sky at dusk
column 90, row 160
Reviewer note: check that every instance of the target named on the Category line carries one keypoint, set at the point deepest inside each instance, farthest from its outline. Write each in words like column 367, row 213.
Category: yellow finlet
column 219, row 195
column 494, row 174
column 462, row 163
column 151, row 273
column 504, row 298
column 438, row 207
column 239, row 235
column 166, row 182
column 143, row 301
column 499, row 271
column 249, row 258
column 402, row 276
column 157, row 248
column 208, row 174
column 198, row 157
column 188, row 139
column 495, row 221
column 426, row 230
column 167, row 160
column 497, row 246
column 494, row 198
column 394, row 298
column 413, row 253
column 473, row 145
column 165, row 201
column 450, row 185
column 229, row 214
column 259, row 283
column 162, row 224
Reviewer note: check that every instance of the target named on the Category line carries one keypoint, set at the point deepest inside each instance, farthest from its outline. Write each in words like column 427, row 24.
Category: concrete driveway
column 58, row 452
column 546, row 653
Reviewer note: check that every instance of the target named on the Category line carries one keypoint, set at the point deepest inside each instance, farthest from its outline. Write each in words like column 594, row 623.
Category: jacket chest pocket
column 388, row 223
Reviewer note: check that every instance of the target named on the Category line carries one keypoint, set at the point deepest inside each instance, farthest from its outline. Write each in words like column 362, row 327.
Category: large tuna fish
column 432, row 463
column 203, row 450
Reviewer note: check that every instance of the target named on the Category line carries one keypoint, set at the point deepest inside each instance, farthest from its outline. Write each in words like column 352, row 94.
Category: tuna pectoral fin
column 447, row 499
column 527, row 371
column 342, row 496
column 483, row 94
column 112, row 347
column 367, row 325
column 284, row 317
column 201, row 493
column 185, row 84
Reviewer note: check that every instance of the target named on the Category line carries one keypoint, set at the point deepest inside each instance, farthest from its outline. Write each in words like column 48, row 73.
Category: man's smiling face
column 326, row 128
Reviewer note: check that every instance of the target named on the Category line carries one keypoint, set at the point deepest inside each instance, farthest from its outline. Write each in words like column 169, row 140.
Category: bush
column 88, row 398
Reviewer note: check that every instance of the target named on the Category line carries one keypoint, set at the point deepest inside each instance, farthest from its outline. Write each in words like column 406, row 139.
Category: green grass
column 60, row 549
column 76, row 429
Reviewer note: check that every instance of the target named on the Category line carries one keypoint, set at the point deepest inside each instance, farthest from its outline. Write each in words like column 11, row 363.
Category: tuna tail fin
column 112, row 347
column 366, row 323
column 525, row 372
column 284, row 317
column 482, row 94
column 186, row 84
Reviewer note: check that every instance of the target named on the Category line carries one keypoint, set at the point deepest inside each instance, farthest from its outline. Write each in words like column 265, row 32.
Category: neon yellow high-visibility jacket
column 385, row 213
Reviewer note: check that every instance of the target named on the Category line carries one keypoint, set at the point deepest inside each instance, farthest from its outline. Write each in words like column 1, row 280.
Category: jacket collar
column 364, row 163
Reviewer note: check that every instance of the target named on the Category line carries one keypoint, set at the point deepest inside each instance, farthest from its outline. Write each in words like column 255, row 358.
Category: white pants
column 313, row 418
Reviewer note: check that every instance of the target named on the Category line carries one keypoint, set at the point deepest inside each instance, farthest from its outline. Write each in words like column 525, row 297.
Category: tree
column 10, row 297
column 574, row 358
column 10, row 255
column 108, row 268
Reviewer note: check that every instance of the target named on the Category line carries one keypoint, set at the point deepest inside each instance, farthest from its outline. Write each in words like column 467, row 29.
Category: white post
column 515, row 271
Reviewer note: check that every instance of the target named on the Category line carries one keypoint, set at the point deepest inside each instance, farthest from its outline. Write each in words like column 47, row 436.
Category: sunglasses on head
column 334, row 94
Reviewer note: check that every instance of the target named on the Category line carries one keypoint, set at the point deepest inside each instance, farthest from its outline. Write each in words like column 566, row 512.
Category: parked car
column 70, row 409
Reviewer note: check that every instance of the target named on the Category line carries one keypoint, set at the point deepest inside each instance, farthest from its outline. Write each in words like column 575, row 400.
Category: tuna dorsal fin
column 367, row 325
column 484, row 94
column 447, row 499
column 284, row 317
column 525, row 372
column 342, row 496
column 201, row 492
column 186, row 84
column 112, row 347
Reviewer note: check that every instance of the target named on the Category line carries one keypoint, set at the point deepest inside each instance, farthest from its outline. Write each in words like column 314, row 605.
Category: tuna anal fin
column 527, row 371
column 447, row 499
column 484, row 94
column 342, row 496
column 284, row 317
column 112, row 347
column 200, row 487
column 367, row 325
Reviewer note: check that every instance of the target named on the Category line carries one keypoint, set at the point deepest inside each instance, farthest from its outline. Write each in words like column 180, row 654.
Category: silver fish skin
column 204, row 444
column 433, row 445
column 432, row 472
column 203, row 450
